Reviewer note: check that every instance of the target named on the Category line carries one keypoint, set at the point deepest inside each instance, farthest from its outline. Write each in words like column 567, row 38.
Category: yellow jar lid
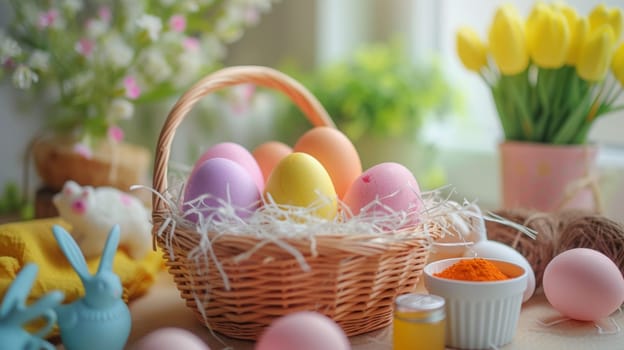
column 414, row 307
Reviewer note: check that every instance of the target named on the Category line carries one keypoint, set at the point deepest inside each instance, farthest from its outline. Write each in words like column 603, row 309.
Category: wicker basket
column 353, row 278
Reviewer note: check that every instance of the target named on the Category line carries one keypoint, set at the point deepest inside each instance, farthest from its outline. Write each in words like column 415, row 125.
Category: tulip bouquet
column 551, row 75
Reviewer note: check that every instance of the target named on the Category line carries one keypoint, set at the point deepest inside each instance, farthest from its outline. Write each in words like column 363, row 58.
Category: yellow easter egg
column 300, row 180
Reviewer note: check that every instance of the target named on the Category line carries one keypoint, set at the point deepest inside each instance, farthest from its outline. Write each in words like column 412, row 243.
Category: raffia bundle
column 558, row 232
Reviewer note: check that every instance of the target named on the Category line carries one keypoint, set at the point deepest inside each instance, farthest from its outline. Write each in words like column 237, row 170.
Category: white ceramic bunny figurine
column 93, row 211
column 100, row 320
column 14, row 313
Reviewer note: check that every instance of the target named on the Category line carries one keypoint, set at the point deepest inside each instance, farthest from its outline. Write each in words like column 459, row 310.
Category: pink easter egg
column 390, row 184
column 220, row 181
column 238, row 154
column 583, row 284
column 171, row 338
column 303, row 330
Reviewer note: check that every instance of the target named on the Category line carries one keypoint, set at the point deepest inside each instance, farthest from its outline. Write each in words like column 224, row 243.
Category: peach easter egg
column 336, row 152
column 269, row 154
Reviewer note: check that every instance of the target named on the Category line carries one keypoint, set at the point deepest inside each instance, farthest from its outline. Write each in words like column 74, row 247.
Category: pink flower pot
column 547, row 177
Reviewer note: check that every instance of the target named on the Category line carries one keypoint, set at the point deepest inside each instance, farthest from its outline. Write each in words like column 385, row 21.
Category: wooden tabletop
column 163, row 307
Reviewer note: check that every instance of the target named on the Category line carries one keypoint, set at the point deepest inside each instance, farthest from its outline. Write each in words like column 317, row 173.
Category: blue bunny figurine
column 14, row 313
column 100, row 319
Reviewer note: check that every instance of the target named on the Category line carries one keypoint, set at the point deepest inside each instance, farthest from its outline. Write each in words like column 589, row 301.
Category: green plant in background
column 380, row 92
column 12, row 203
column 381, row 97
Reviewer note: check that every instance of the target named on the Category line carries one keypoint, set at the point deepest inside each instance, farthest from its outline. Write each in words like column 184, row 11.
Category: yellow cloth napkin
column 32, row 241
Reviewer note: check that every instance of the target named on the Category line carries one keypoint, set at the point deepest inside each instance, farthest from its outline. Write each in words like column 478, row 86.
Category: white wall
column 16, row 130
column 17, row 126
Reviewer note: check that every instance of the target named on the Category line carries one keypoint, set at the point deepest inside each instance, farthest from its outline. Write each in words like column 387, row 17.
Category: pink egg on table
column 171, row 339
column 224, row 181
column 303, row 330
column 238, row 154
column 391, row 184
column 583, row 284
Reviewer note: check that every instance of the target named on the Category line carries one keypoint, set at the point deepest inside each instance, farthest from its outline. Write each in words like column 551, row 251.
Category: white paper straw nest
column 274, row 222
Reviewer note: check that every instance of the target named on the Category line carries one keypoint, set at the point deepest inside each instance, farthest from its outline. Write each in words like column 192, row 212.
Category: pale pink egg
column 391, row 185
column 238, row 154
column 303, row 330
column 583, row 284
column 171, row 339
column 269, row 154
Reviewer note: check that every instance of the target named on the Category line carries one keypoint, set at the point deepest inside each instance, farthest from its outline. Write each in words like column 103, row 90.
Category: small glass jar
column 419, row 322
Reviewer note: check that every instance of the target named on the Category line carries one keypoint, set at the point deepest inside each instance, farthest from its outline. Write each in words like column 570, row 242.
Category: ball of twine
column 595, row 232
column 558, row 232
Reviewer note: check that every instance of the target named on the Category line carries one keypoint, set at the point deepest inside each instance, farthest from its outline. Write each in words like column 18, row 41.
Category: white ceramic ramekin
column 479, row 315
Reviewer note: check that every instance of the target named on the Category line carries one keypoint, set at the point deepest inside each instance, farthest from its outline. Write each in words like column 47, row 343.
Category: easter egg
column 499, row 251
column 236, row 153
column 303, row 330
column 391, row 184
column 300, row 180
column 215, row 182
column 583, row 284
column 170, row 338
column 335, row 152
column 269, row 154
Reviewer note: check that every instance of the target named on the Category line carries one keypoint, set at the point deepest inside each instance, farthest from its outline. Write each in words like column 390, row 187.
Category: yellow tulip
column 538, row 8
column 471, row 49
column 548, row 37
column 615, row 19
column 601, row 15
column 578, row 27
column 537, row 11
column 507, row 41
column 617, row 64
column 578, row 32
column 595, row 54
column 568, row 11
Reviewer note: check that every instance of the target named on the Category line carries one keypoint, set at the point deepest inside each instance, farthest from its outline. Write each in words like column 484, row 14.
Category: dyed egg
column 392, row 184
column 236, row 153
column 303, row 331
column 499, row 251
column 336, row 152
column 300, row 180
column 170, row 339
column 224, row 181
column 583, row 284
column 269, row 154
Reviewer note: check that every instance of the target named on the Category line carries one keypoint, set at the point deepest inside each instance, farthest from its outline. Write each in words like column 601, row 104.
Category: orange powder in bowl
column 476, row 269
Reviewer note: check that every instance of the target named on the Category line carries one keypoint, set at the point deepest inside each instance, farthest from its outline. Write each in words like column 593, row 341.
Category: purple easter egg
column 236, row 153
column 222, row 180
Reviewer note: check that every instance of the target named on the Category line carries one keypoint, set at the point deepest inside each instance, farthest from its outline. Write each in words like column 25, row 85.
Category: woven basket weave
column 353, row 278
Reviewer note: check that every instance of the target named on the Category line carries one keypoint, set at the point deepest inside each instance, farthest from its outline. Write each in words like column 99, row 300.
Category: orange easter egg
column 335, row 152
column 269, row 154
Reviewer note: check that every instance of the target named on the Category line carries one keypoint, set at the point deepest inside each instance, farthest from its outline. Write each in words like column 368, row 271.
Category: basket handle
column 262, row 76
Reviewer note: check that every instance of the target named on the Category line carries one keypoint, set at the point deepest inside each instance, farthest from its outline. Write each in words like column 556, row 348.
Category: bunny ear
column 39, row 307
column 19, row 289
column 110, row 249
column 71, row 250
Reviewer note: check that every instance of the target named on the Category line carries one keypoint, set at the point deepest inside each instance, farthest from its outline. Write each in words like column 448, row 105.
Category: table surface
column 163, row 307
